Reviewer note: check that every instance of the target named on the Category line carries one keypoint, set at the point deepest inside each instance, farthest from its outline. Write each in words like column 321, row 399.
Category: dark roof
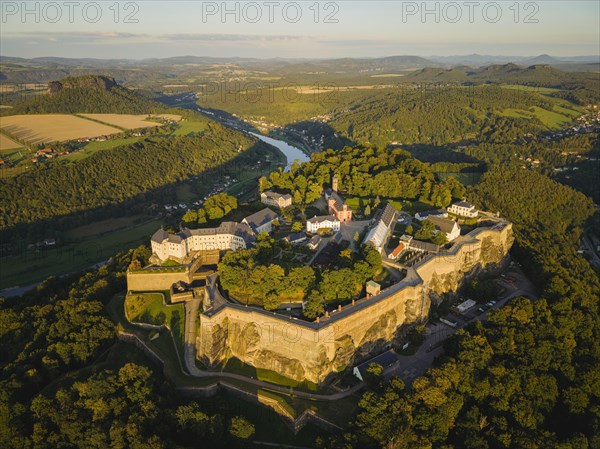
column 428, row 213
column 424, row 246
column 296, row 237
column 442, row 224
column 463, row 204
column 338, row 200
column 388, row 215
column 260, row 218
column 322, row 218
column 160, row 235
column 386, row 359
column 338, row 237
column 276, row 195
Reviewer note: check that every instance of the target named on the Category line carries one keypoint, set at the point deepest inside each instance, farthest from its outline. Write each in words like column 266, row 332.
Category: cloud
column 228, row 37
column 119, row 37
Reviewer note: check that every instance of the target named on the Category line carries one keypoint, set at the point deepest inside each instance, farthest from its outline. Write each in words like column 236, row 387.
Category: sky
column 301, row 29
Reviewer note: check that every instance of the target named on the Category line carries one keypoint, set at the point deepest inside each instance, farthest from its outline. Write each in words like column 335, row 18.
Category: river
column 291, row 153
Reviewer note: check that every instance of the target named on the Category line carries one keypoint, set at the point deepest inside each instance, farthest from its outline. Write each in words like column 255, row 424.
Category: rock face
column 311, row 351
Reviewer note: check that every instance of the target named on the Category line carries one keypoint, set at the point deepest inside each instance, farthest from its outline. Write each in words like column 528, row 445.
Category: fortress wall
column 302, row 352
column 311, row 351
column 139, row 281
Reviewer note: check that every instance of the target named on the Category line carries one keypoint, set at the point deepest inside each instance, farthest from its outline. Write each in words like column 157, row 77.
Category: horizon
column 298, row 30
column 464, row 55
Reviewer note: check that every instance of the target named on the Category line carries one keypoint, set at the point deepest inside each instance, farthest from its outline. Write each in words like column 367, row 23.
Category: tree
column 264, row 184
column 426, row 231
column 439, row 238
column 374, row 375
column 314, row 305
column 190, row 216
column 367, row 210
column 377, row 202
column 241, row 428
column 457, row 190
column 297, row 227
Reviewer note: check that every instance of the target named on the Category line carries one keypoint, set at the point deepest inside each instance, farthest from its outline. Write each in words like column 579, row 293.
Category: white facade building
column 229, row 235
column 448, row 227
column 322, row 222
column 463, row 209
column 276, row 199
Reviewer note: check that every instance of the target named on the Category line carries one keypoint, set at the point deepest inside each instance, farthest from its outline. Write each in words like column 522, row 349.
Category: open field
column 174, row 117
column 186, row 127
column 93, row 147
column 35, row 265
column 8, row 144
column 102, row 227
column 556, row 118
column 127, row 121
column 44, row 128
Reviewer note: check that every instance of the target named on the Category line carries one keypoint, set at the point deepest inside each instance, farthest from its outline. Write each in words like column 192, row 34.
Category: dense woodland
column 115, row 176
column 530, row 378
column 251, row 276
column 86, row 94
column 366, row 172
column 64, row 382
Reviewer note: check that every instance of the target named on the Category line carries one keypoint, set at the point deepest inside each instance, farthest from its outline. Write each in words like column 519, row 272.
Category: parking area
column 514, row 284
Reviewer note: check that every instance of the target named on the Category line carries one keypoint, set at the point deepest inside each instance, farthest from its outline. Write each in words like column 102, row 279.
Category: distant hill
column 87, row 94
column 538, row 75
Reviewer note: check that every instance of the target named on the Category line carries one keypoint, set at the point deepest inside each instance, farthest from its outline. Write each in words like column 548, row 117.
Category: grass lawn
column 102, row 227
column 149, row 308
column 35, row 266
column 234, row 365
column 186, row 127
column 185, row 194
column 556, row 118
column 93, row 147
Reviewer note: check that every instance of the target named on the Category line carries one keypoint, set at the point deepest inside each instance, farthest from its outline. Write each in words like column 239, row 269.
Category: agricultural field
column 45, row 128
column 8, row 144
column 125, row 121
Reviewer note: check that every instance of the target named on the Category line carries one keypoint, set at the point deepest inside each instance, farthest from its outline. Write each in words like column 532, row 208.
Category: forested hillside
column 530, row 378
column 114, row 176
column 86, row 94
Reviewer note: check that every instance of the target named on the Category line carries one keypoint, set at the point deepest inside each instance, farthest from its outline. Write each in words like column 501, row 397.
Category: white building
column 229, row 235
column 276, row 199
column 463, row 209
column 449, row 227
column 261, row 221
column 379, row 234
column 322, row 222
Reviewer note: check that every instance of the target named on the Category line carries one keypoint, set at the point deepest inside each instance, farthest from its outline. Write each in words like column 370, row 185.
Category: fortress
column 311, row 351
